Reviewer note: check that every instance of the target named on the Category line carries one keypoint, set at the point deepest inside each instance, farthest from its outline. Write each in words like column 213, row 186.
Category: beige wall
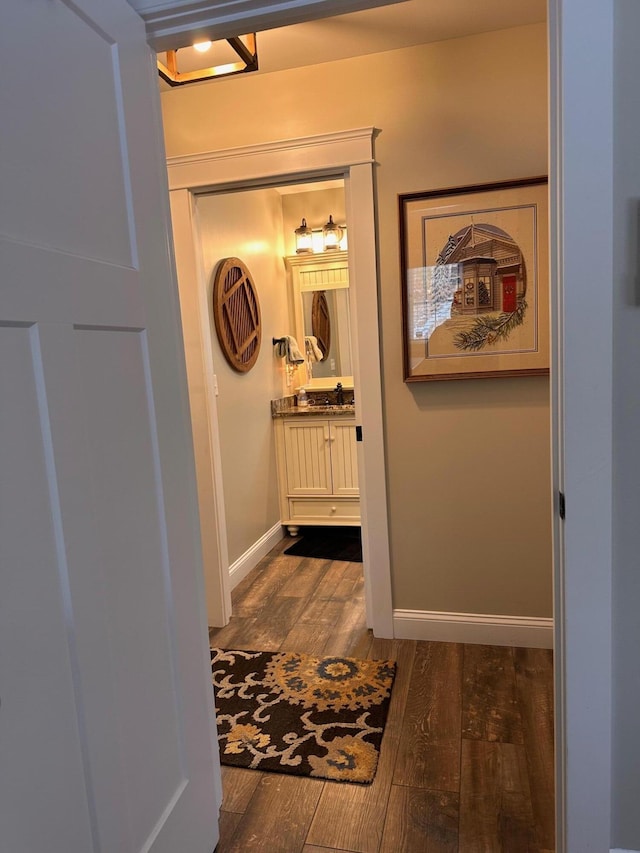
column 470, row 530
column 248, row 225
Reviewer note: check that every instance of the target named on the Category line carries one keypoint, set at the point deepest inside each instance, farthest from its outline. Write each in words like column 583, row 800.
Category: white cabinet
column 317, row 471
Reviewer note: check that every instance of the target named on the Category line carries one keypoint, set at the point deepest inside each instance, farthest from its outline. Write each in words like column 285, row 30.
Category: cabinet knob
column 333, row 508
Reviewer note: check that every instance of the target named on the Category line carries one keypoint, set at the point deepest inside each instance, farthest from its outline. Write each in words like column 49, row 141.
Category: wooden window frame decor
column 236, row 314
column 475, row 281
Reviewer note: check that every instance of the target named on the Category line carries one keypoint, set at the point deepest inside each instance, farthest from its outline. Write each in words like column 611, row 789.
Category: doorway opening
column 257, row 225
column 346, row 157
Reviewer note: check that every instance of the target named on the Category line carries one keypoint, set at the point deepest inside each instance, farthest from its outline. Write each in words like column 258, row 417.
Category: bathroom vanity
column 317, row 464
column 316, row 444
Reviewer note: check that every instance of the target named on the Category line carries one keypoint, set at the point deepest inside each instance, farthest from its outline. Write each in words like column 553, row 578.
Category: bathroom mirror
column 326, row 317
column 319, row 305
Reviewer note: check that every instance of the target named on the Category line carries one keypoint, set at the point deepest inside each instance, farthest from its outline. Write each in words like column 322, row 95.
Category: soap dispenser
column 303, row 400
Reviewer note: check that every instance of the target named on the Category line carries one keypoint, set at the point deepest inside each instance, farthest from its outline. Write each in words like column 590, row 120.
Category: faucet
column 339, row 394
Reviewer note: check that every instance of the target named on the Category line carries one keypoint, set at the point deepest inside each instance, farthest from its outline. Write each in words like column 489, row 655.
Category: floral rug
column 293, row 713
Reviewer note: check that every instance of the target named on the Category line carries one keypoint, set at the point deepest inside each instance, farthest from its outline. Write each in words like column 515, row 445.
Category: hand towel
column 288, row 348
column 314, row 353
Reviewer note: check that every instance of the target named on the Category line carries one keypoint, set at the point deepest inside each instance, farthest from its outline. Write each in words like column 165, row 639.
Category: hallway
column 467, row 758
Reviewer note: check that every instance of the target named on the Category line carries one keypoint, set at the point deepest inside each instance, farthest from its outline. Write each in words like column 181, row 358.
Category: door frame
column 581, row 203
column 347, row 155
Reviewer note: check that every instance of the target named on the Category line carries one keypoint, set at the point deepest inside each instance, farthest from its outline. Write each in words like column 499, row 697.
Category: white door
column 106, row 719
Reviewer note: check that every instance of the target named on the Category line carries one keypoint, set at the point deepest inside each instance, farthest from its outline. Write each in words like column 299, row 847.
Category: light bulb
column 202, row 46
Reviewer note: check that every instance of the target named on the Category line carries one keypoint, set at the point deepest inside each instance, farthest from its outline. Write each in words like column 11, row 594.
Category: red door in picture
column 509, row 302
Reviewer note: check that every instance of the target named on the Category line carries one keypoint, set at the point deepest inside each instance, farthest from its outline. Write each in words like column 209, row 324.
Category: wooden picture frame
column 321, row 322
column 475, row 281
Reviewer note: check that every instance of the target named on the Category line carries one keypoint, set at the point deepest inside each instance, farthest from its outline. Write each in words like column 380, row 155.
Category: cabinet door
column 344, row 460
column 307, row 457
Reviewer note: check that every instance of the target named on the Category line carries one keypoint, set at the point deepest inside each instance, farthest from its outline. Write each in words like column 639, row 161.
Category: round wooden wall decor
column 321, row 322
column 236, row 312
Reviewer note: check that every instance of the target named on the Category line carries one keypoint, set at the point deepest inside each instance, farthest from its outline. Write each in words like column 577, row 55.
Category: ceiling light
column 178, row 67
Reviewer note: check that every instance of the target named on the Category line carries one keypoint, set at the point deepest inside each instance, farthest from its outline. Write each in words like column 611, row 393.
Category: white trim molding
column 277, row 148
column 175, row 23
column 239, row 569
column 620, row 850
column 265, row 161
column 527, row 631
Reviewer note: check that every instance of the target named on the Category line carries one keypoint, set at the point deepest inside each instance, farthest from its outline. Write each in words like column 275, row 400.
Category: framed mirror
column 319, row 306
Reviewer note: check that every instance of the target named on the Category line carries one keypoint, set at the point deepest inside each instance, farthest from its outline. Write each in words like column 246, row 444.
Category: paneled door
column 107, row 732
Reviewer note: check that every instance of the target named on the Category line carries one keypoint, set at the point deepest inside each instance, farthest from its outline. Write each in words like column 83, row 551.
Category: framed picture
column 475, row 281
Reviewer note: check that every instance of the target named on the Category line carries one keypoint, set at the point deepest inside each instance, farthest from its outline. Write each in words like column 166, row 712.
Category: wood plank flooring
column 466, row 764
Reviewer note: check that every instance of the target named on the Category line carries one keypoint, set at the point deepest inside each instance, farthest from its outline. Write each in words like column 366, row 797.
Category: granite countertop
column 286, row 406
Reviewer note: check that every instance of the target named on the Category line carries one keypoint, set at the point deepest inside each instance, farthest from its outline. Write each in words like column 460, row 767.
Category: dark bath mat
column 329, row 543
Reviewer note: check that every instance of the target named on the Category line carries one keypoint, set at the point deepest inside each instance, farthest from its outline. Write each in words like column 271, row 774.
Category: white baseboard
column 526, row 631
column 250, row 559
column 620, row 850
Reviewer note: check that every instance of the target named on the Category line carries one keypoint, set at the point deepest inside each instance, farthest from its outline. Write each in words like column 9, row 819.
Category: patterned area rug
column 293, row 713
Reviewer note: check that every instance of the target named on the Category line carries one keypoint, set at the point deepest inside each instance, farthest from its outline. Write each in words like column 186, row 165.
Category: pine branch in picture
column 490, row 328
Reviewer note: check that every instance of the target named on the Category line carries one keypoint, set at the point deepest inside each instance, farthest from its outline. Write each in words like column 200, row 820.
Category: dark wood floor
column 467, row 757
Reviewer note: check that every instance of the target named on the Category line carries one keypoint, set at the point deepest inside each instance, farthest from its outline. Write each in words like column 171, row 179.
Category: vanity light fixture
column 331, row 236
column 304, row 238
